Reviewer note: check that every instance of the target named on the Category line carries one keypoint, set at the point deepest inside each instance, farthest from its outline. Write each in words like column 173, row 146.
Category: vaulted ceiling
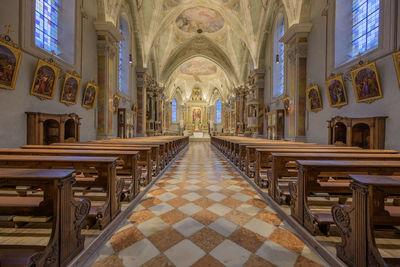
column 223, row 35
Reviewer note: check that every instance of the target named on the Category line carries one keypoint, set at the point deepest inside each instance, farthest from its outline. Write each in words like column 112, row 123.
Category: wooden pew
column 309, row 182
column 127, row 160
column 356, row 223
column 68, row 215
column 250, row 154
column 155, row 151
column 143, row 160
column 280, row 168
column 263, row 157
column 105, row 168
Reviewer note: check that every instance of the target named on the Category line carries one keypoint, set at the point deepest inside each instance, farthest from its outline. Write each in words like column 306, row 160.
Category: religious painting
column 70, row 89
column 45, row 80
column 314, row 98
column 89, row 95
column 366, row 83
column 200, row 19
column 396, row 60
column 197, row 114
column 337, row 94
column 10, row 59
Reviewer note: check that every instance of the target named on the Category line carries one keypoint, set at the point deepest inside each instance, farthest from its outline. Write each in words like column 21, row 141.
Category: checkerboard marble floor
column 203, row 213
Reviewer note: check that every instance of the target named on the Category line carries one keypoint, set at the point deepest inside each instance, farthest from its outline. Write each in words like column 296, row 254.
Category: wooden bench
column 68, row 215
column 104, row 167
column 357, row 222
column 127, row 161
column 308, row 183
column 264, row 160
column 283, row 167
column 144, row 160
column 155, row 151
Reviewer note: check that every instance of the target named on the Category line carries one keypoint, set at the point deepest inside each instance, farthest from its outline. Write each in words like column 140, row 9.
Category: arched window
column 218, row 111
column 124, row 60
column 279, row 58
column 357, row 25
column 174, row 113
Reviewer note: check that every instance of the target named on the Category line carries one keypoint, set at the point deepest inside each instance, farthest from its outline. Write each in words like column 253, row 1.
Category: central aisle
column 203, row 213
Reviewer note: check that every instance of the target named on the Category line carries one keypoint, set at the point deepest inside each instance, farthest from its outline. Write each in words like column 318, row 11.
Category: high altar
column 196, row 114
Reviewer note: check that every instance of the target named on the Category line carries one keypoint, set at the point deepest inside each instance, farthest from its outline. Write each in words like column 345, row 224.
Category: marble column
column 141, row 102
column 259, row 75
column 296, row 44
column 108, row 37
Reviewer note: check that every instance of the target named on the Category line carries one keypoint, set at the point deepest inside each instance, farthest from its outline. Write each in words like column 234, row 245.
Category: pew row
column 68, row 215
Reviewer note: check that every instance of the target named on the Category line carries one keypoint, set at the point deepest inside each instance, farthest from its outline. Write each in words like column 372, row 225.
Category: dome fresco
column 206, row 19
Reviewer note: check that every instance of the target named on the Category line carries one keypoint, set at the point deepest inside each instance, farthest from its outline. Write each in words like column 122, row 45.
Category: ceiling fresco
column 200, row 19
column 198, row 66
column 175, row 38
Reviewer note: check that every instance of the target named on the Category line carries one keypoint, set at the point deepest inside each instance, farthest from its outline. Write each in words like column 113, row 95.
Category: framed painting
column 89, row 95
column 314, row 98
column 10, row 59
column 45, row 80
column 337, row 94
column 70, row 88
column 396, row 60
column 366, row 83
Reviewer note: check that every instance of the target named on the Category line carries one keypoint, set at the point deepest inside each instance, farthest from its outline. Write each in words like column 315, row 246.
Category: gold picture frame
column 366, row 84
column 336, row 89
column 89, row 95
column 10, row 61
column 45, row 80
column 69, row 91
column 314, row 99
column 396, row 61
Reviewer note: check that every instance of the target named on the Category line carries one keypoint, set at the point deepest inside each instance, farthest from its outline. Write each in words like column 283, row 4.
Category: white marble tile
column 216, row 196
column 277, row 254
column 192, row 196
column 248, row 209
column 260, row 227
column 223, row 226
column 192, row 187
column 190, row 209
column 219, row 209
column 184, row 254
column 138, row 253
column 230, row 254
column 161, row 209
column 241, row 197
column 152, row 226
column 214, row 188
column 188, row 226
column 166, row 196
column 235, row 188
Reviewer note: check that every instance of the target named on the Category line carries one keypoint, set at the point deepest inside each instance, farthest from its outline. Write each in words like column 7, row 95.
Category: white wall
column 14, row 104
column 316, row 65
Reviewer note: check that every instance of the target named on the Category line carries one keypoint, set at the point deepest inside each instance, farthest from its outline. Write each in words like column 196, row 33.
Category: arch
column 202, row 47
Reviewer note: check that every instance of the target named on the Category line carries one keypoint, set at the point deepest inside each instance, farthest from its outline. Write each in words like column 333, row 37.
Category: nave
column 203, row 213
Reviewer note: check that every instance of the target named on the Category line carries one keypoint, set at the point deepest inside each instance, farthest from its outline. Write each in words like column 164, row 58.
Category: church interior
column 199, row 133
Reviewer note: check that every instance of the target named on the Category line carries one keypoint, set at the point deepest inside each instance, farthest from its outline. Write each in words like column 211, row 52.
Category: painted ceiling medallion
column 198, row 66
column 200, row 18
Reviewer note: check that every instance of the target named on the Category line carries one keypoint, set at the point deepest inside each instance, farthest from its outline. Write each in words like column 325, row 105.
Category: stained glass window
column 279, row 58
column 365, row 27
column 174, row 111
column 46, row 25
column 218, row 111
column 123, row 63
